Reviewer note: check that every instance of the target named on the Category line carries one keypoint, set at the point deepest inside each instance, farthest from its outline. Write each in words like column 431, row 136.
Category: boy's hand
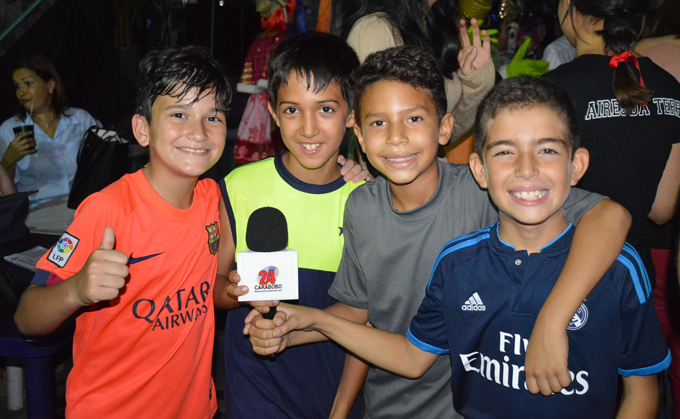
column 472, row 57
column 546, row 364
column 104, row 273
column 352, row 171
column 234, row 291
column 271, row 336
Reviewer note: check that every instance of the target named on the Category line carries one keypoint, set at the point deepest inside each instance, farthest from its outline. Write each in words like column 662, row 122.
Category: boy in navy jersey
column 486, row 288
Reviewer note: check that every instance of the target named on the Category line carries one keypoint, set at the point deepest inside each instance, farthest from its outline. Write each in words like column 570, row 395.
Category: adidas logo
column 474, row 303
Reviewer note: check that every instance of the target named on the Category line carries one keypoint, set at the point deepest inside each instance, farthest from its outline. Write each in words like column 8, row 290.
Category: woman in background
column 43, row 156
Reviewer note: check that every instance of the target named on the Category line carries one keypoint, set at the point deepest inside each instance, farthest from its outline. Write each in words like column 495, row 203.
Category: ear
column 272, row 112
column 478, row 170
column 445, row 128
column 140, row 129
column 350, row 119
column 579, row 165
column 51, row 85
column 360, row 136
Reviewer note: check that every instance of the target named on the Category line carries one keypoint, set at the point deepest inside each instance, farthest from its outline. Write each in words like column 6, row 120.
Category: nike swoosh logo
column 133, row 260
column 340, row 231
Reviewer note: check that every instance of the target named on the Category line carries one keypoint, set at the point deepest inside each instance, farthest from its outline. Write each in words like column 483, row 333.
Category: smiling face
column 185, row 139
column 31, row 90
column 312, row 126
column 527, row 166
column 400, row 133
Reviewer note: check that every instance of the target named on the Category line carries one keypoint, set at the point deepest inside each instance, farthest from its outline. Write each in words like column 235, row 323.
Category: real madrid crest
column 580, row 318
column 213, row 237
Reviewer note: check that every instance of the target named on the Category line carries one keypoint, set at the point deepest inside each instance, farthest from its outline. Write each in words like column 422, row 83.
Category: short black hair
column 406, row 64
column 175, row 72
column 321, row 58
column 525, row 92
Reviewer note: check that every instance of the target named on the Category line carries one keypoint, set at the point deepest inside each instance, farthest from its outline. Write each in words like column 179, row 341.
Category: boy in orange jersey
column 138, row 263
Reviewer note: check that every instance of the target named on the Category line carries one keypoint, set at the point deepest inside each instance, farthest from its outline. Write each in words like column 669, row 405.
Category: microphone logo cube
column 268, row 275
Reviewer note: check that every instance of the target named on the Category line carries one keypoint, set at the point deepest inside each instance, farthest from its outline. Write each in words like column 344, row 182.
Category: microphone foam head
column 267, row 230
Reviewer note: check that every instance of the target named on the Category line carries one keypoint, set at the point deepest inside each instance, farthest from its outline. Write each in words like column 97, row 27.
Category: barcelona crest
column 213, row 237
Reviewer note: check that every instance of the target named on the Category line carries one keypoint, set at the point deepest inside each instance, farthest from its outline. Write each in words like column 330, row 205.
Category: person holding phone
column 39, row 146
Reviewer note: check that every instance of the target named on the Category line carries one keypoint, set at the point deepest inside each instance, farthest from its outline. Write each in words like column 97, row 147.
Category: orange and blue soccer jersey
column 147, row 353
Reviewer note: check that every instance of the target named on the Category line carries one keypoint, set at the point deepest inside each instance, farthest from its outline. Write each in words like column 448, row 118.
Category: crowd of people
column 433, row 290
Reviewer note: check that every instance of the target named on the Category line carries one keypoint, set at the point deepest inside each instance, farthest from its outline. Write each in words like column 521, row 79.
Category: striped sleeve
column 643, row 348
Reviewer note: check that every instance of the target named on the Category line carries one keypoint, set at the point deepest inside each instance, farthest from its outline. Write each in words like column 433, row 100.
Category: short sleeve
column 477, row 201
column 80, row 239
column 578, row 203
column 428, row 331
column 349, row 286
column 643, row 348
column 371, row 34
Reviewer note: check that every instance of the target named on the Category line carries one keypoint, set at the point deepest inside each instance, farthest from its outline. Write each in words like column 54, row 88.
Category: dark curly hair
column 406, row 64
column 175, row 72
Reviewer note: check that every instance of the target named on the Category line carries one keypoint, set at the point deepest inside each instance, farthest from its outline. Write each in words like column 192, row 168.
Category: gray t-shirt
column 386, row 265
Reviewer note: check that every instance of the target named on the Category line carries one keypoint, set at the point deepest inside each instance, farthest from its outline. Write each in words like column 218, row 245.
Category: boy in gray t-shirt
column 395, row 226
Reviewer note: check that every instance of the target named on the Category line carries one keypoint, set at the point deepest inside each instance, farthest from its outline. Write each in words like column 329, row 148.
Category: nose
column 21, row 91
column 309, row 127
column 197, row 131
column 396, row 135
column 526, row 166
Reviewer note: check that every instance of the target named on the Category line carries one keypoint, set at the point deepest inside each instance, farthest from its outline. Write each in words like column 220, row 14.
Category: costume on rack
column 254, row 139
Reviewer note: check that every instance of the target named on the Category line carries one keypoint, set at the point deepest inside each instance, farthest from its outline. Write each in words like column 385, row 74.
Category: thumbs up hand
column 104, row 273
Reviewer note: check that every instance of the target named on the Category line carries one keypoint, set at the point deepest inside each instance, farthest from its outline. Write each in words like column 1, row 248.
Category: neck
column 179, row 192
column 593, row 45
column 319, row 176
column 531, row 238
column 413, row 195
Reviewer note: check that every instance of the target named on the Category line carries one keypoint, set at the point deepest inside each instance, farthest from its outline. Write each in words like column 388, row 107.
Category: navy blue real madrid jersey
column 481, row 305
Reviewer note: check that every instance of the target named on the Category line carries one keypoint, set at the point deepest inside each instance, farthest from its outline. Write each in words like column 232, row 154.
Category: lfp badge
column 62, row 251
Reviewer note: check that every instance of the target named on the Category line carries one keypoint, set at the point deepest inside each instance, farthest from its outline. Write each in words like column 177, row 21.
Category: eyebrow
column 24, row 78
column 186, row 106
column 409, row 110
column 540, row 141
column 290, row 102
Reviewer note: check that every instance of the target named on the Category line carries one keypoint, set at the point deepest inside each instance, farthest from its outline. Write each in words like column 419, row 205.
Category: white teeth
column 310, row 147
column 400, row 159
column 529, row 196
column 193, row 150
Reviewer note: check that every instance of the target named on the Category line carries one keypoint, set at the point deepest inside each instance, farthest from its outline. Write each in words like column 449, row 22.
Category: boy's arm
column 597, row 242
column 352, row 380
column 226, row 293
column 227, row 289
column 390, row 351
column 42, row 309
column 640, row 397
column 262, row 335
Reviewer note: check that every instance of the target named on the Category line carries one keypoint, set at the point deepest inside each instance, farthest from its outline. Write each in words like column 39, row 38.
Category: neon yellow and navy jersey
column 302, row 381
column 481, row 305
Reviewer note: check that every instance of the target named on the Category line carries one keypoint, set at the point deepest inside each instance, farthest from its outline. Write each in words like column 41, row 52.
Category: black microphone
column 267, row 232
